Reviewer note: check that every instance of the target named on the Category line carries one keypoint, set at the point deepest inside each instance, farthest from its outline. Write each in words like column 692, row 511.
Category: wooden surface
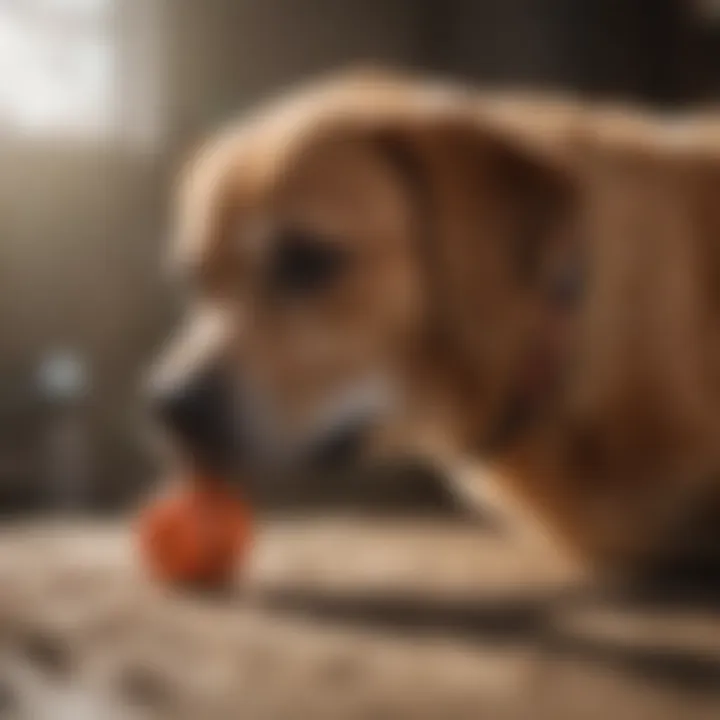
column 340, row 618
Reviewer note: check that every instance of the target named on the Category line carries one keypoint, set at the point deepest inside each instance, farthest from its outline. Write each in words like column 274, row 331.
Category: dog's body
column 405, row 250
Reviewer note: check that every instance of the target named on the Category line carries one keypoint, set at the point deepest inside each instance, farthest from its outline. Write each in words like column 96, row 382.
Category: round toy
column 196, row 535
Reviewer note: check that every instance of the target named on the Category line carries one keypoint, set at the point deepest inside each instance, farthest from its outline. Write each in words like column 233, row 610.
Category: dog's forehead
column 236, row 176
column 344, row 195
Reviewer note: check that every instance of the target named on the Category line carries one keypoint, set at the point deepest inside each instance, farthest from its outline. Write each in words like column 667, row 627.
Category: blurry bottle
column 63, row 382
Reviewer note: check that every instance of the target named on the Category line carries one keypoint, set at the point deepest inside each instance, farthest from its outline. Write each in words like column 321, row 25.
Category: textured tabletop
column 339, row 617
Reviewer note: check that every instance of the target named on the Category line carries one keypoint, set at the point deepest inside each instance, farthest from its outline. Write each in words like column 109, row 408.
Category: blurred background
column 100, row 103
column 100, row 100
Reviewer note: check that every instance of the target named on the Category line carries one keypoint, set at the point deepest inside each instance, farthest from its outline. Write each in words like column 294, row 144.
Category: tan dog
column 405, row 253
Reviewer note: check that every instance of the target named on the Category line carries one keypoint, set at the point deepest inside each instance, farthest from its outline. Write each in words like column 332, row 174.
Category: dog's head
column 364, row 256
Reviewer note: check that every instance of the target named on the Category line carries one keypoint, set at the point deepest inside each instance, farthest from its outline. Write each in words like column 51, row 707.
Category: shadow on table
column 530, row 620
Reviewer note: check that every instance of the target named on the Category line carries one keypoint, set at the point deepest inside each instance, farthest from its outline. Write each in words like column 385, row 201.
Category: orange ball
column 197, row 535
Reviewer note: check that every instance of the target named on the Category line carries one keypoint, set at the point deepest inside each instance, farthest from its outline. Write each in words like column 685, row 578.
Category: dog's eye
column 303, row 264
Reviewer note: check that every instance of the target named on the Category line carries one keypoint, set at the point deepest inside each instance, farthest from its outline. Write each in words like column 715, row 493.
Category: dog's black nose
column 198, row 410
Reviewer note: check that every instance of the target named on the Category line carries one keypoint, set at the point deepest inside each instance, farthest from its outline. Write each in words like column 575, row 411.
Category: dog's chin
column 342, row 447
column 338, row 435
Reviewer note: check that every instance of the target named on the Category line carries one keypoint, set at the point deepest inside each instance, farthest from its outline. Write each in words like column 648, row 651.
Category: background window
column 80, row 68
column 57, row 65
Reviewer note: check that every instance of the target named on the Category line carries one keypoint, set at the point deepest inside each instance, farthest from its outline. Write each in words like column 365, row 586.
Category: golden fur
column 625, row 451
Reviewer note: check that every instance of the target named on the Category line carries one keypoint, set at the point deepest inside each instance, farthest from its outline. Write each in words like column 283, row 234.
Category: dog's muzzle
column 223, row 429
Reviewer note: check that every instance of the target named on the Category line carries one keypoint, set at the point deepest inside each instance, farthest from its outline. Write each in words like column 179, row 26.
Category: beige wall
column 231, row 52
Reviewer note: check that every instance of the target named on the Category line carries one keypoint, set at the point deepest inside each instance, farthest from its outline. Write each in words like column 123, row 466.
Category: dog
column 524, row 290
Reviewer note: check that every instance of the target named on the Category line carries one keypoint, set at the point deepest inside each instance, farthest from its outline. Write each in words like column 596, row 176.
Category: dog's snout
column 198, row 410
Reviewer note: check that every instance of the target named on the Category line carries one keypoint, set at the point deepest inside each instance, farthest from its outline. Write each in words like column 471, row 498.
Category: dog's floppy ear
column 539, row 198
column 496, row 204
column 492, row 211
